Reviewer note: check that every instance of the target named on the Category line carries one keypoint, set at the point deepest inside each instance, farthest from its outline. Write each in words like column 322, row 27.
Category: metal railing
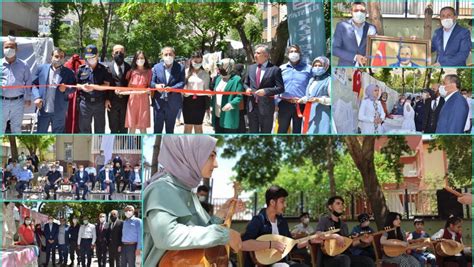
column 122, row 144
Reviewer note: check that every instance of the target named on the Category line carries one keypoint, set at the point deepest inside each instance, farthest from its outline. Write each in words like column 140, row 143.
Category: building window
column 68, row 152
column 274, row 21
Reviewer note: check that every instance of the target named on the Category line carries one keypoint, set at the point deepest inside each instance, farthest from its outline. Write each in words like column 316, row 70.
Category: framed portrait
column 398, row 52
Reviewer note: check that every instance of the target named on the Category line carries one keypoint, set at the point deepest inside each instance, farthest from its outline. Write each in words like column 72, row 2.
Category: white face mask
column 107, row 169
column 358, row 17
column 168, row 60
column 57, row 63
column 25, row 168
column 202, row 198
column 101, row 219
column 197, row 66
column 53, row 170
column 140, row 62
column 306, row 220
column 442, row 91
column 9, row 52
column 447, row 23
column 92, row 61
column 74, row 220
column 136, row 170
column 129, row 214
column 81, row 169
column 27, row 222
column 294, row 57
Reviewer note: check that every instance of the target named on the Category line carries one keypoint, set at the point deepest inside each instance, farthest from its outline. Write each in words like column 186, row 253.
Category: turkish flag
column 380, row 56
column 356, row 82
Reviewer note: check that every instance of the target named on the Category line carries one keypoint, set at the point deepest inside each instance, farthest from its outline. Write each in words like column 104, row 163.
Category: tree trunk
column 361, row 150
column 105, row 29
column 245, row 42
column 330, row 166
column 156, row 153
column 13, row 146
column 428, row 22
column 375, row 16
column 279, row 43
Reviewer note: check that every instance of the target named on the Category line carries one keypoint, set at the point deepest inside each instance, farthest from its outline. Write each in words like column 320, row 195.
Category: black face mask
column 113, row 218
column 337, row 214
column 222, row 72
column 119, row 58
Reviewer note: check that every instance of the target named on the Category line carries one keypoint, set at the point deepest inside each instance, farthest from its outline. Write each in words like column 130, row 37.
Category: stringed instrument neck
column 372, row 234
column 233, row 205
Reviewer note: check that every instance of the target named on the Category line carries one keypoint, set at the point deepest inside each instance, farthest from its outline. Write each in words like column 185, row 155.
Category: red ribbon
column 307, row 112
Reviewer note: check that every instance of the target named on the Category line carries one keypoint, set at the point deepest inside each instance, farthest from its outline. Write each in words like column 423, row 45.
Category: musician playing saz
column 269, row 221
column 453, row 231
column 335, row 205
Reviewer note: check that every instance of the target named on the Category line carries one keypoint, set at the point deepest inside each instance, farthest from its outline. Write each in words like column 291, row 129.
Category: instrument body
column 331, row 248
column 447, row 247
column 217, row 256
column 399, row 247
column 271, row 255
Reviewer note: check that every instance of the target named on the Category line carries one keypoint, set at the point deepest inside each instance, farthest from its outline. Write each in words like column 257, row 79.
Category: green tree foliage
column 36, row 143
column 90, row 209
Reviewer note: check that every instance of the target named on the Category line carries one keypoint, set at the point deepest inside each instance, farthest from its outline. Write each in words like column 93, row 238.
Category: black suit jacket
column 117, row 81
column 103, row 237
column 116, row 234
column 430, row 116
column 272, row 83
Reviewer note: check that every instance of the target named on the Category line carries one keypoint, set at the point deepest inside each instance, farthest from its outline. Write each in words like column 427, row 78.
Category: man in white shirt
column 86, row 241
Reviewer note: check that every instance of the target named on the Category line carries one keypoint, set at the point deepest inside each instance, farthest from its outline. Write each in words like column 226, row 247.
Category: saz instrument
column 400, row 247
column 270, row 255
column 447, row 247
column 331, row 248
column 217, row 256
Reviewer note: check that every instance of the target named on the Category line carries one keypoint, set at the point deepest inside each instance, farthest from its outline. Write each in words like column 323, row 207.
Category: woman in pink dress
column 138, row 109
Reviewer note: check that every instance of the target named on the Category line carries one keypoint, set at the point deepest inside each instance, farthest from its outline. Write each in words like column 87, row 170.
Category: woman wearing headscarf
column 371, row 114
column 173, row 216
column 317, row 93
column 226, row 108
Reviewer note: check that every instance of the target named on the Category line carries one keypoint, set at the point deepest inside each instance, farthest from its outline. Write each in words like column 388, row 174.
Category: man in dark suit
column 115, row 239
column 453, row 115
column 107, row 180
column 166, row 105
column 52, row 102
column 451, row 42
column 349, row 42
column 103, row 240
column 264, row 80
column 51, row 231
column 53, row 177
column 116, row 103
column 80, row 180
column 433, row 106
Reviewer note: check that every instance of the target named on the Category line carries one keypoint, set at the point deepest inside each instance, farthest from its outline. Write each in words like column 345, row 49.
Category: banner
column 107, row 146
column 306, row 28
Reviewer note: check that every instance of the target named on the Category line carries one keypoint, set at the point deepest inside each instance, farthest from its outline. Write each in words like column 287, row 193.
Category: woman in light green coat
column 173, row 216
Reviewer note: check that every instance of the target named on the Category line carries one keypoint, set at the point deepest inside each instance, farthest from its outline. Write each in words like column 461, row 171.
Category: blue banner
column 306, row 27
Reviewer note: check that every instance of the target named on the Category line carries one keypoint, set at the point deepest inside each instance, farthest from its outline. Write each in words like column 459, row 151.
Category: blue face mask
column 318, row 71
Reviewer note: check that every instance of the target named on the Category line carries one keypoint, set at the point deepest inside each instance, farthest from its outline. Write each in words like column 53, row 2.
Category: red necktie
column 259, row 73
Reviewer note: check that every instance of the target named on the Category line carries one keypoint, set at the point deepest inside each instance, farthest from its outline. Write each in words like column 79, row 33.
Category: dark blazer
column 430, row 117
column 116, row 234
column 116, row 81
column 457, row 49
column 85, row 177
column 452, row 117
column 103, row 237
column 102, row 177
column 53, row 176
column 51, row 234
column 344, row 43
column 272, row 83
column 176, row 80
column 41, row 77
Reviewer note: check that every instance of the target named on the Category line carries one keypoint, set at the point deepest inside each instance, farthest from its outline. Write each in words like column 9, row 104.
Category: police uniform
column 92, row 104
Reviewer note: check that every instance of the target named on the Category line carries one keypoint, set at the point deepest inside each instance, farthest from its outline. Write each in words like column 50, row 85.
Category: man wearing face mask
column 14, row 72
column 264, row 80
column 350, row 37
column 62, row 242
column 131, row 238
column 335, row 206
column 80, row 180
column 24, row 177
column 453, row 115
column 451, row 42
column 54, row 177
column 73, row 234
column 167, row 74
column 202, row 194
column 433, row 106
column 53, row 101
column 92, row 102
column 116, row 103
column 107, row 180
column 86, row 241
column 115, row 244
column 51, row 231
column 296, row 75
column 103, row 239
column 135, row 180
column 363, row 246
